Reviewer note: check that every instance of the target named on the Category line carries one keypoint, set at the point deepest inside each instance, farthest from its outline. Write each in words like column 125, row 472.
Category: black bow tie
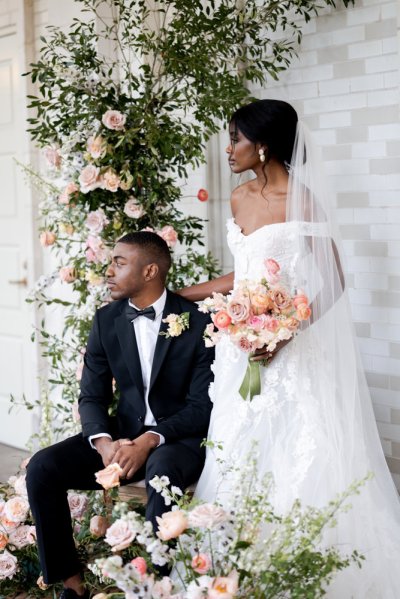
column 132, row 313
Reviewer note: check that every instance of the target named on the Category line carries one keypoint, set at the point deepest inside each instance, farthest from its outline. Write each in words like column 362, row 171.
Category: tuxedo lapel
column 127, row 340
column 162, row 345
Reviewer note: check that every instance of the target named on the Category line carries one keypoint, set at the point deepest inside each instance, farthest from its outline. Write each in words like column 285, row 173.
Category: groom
column 163, row 408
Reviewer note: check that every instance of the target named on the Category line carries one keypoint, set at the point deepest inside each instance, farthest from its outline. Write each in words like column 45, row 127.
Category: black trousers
column 71, row 464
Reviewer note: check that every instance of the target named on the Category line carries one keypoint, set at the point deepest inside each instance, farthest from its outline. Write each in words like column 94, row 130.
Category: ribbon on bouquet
column 251, row 384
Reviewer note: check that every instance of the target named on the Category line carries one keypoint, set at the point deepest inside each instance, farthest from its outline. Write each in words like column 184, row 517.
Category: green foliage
column 174, row 74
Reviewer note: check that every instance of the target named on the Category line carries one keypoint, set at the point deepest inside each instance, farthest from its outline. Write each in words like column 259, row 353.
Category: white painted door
column 17, row 352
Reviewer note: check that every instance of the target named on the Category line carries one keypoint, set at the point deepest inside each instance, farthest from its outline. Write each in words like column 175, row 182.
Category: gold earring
column 262, row 155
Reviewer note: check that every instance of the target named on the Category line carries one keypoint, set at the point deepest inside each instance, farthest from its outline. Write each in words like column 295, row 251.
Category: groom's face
column 126, row 273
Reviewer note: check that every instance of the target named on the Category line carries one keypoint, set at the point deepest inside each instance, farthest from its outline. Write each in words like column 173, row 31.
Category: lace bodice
column 277, row 241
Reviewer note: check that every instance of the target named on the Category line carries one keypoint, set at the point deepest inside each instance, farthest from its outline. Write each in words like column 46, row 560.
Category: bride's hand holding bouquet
column 260, row 317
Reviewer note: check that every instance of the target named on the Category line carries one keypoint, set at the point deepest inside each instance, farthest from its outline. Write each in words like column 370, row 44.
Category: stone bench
column 137, row 490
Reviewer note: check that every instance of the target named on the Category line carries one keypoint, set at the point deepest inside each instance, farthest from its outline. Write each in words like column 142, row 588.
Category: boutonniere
column 177, row 323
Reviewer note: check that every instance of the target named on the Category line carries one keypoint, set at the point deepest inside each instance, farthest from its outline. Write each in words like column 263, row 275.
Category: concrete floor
column 10, row 460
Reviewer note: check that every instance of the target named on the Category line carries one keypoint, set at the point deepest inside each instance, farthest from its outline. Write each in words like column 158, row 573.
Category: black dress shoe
column 70, row 594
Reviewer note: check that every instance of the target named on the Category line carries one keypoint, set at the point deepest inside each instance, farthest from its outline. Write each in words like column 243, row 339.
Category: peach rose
column 280, row 300
column 303, row 312
column 111, row 180
column 290, row 323
column 202, row 195
column 201, row 563
column 78, row 503
column 120, row 535
column 114, row 120
column 109, row 477
column 3, row 540
column 22, row 536
column 67, row 192
column 207, row 515
column 8, row 565
column 140, row 564
column 47, row 238
column 96, row 221
column 41, row 583
column 133, row 209
column 239, row 309
column 16, row 509
column 98, row 526
column 96, row 146
column 260, row 303
column 89, row 178
column 222, row 319
column 8, row 525
column 169, row 235
column 224, row 587
column 67, row 274
column 52, row 156
column 300, row 298
column 65, row 228
column 171, row 525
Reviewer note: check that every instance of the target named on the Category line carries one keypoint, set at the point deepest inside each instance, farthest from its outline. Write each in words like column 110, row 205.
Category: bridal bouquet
column 256, row 315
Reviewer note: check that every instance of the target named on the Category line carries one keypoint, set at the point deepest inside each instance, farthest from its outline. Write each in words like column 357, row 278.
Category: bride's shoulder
column 239, row 193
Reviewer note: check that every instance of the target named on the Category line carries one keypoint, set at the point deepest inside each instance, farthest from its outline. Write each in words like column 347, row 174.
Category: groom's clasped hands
column 131, row 455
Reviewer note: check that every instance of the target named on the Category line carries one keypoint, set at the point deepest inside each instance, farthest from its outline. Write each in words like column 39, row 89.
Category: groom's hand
column 132, row 456
column 107, row 448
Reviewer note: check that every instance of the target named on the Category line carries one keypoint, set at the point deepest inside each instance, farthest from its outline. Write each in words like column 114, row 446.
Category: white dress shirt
column 146, row 332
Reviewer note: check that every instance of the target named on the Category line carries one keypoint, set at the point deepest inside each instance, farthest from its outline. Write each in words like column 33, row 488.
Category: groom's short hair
column 154, row 248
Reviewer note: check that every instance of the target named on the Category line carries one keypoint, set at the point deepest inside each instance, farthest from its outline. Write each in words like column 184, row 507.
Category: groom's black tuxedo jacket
column 180, row 377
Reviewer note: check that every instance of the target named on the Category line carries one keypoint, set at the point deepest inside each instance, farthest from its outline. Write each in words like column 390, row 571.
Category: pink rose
column 224, row 587
column 169, row 235
column 67, row 274
column 68, row 191
column 207, row 515
column 78, row 504
column 111, row 180
column 52, row 156
column 303, row 312
column 98, row 526
column 96, row 146
column 140, row 564
column 114, row 119
column 257, row 322
column 96, row 221
column 120, row 535
column 96, row 250
column 89, row 178
column 8, row 565
column 171, row 525
column 47, row 238
column 281, row 302
column 202, row 195
column 133, row 209
column 201, row 563
column 109, row 477
column 271, row 324
column 16, row 509
column 239, row 309
column 260, row 302
column 3, row 540
column 300, row 298
column 22, row 536
column 222, row 319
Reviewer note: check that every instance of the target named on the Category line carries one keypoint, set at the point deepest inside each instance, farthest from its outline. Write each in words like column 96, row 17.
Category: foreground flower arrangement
column 247, row 550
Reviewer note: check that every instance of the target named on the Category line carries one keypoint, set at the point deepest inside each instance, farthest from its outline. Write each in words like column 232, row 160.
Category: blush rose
column 114, row 120
column 171, row 525
column 109, row 477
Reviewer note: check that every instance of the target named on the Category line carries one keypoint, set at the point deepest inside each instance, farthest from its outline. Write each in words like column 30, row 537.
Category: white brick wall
column 345, row 84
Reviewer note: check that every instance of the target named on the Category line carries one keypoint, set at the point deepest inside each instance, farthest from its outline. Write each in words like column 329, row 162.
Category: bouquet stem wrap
column 251, row 384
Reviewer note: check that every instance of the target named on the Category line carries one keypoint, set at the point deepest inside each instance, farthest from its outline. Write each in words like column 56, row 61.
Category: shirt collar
column 158, row 305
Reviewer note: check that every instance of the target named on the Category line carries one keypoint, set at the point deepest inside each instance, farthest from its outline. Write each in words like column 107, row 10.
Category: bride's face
column 242, row 153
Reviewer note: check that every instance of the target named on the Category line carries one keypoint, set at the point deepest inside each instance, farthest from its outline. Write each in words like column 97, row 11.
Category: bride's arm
column 199, row 292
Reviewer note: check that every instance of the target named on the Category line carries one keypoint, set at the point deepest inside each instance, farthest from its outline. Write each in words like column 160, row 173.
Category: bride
column 312, row 421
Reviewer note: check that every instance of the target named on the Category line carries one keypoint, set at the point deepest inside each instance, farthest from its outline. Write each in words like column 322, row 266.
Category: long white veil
column 345, row 415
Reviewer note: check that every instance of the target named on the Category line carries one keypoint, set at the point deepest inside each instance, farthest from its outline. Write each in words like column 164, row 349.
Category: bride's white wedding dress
column 312, row 435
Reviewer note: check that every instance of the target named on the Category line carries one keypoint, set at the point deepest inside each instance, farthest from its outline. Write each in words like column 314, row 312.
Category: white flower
column 197, row 588
column 159, row 483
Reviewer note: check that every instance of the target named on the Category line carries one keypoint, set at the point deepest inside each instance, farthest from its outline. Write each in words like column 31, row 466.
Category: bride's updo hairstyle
column 269, row 122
